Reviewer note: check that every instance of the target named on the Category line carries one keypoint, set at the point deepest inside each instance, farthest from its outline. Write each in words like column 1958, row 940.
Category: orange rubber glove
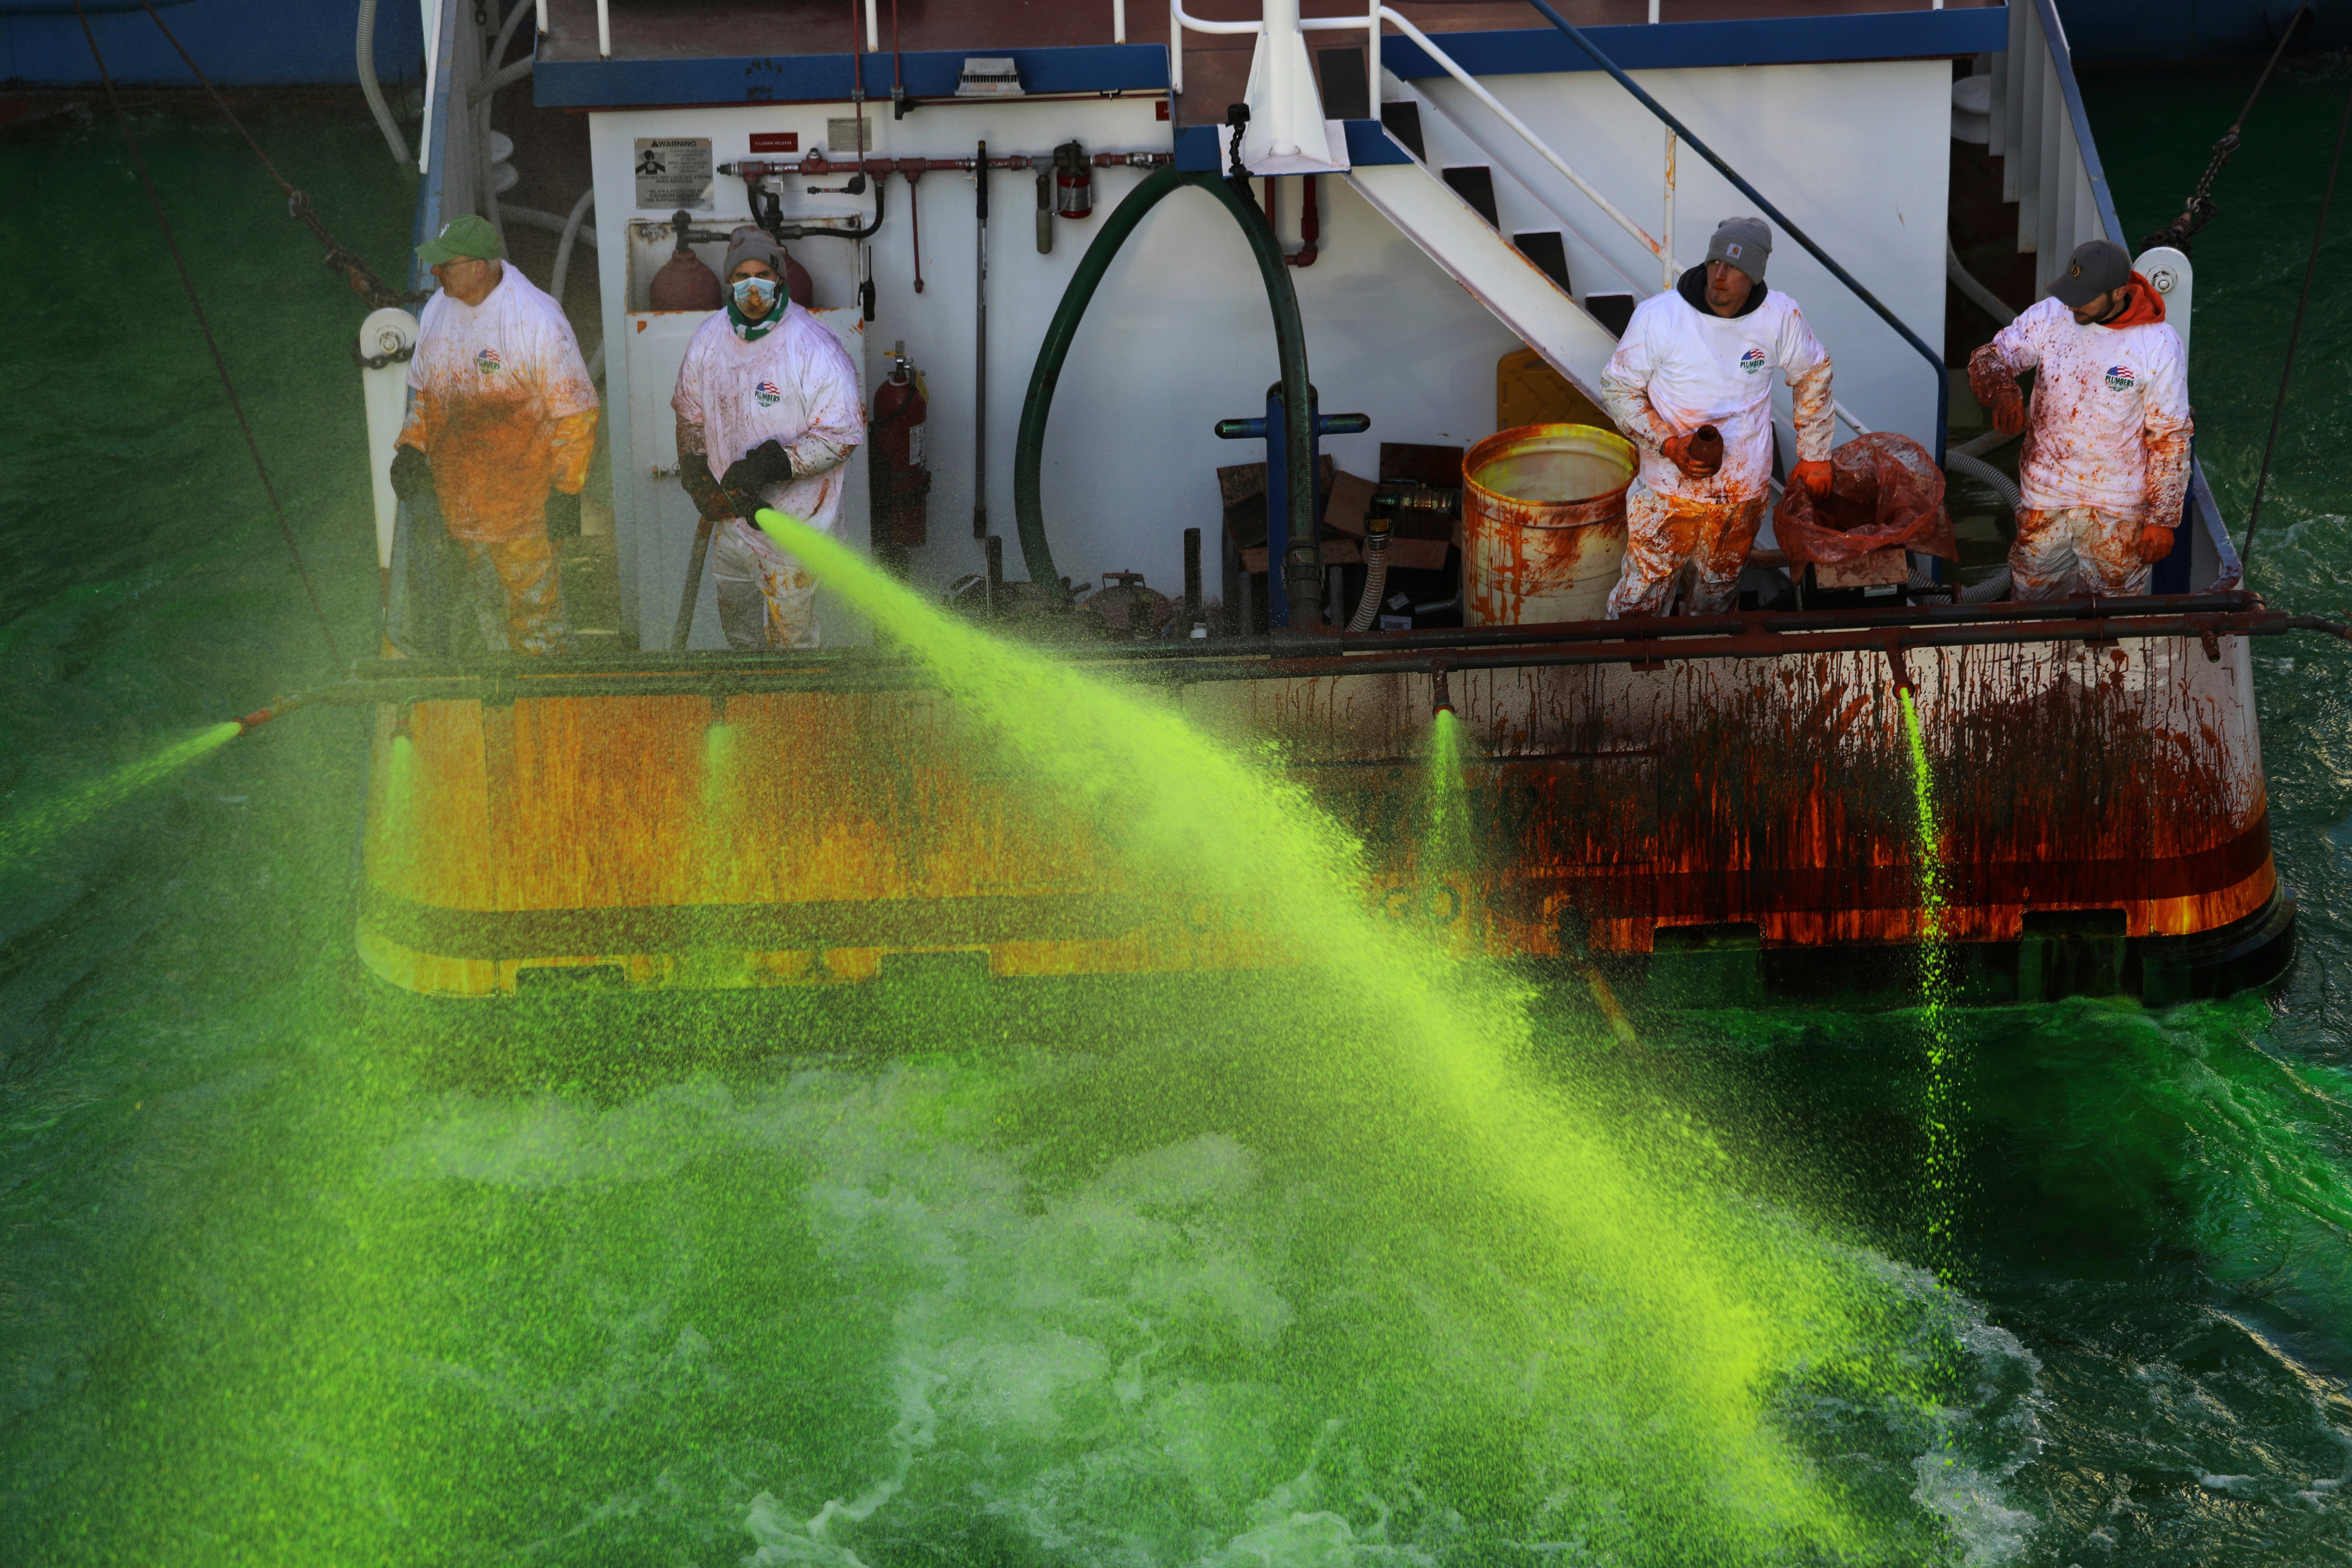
column 1814, row 476
column 1677, row 452
column 2155, row 544
column 2009, row 409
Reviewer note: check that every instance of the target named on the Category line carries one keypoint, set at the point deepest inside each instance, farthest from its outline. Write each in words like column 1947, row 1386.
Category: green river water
column 1385, row 1264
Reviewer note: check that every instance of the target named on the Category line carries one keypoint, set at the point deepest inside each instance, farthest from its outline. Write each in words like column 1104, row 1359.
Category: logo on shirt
column 768, row 393
column 1753, row 360
column 2121, row 378
column 487, row 362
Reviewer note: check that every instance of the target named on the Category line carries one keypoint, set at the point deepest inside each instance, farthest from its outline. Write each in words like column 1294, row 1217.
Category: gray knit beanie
column 751, row 242
column 1745, row 243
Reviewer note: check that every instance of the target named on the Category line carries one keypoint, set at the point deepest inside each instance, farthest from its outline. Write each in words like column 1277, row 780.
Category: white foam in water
column 1089, row 1367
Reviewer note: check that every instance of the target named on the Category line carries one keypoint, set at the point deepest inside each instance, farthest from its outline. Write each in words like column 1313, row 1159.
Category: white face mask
column 755, row 292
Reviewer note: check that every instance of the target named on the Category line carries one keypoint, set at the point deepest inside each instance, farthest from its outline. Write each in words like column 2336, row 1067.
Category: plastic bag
column 1885, row 491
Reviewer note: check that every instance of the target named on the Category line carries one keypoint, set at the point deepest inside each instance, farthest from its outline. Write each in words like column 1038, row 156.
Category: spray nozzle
column 1441, row 692
column 1904, row 686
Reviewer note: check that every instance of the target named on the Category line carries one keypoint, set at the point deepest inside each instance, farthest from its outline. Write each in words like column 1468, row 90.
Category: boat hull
column 1750, row 824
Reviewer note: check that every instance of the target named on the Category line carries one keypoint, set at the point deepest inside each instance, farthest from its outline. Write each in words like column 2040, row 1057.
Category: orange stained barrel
column 1543, row 524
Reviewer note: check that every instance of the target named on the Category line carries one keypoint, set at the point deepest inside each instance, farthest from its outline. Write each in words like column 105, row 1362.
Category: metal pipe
column 564, row 246
column 372, row 91
column 693, row 593
column 980, row 359
column 1376, row 575
column 605, row 29
column 412, row 680
column 1195, row 624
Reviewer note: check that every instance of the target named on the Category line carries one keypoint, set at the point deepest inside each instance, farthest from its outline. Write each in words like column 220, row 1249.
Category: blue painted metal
column 1273, row 430
column 825, row 79
column 1749, row 41
column 240, row 43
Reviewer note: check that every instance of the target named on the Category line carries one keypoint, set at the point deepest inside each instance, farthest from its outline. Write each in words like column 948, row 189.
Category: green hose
column 1303, row 564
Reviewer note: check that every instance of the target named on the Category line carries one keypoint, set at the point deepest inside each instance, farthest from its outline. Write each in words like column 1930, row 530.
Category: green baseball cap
column 463, row 236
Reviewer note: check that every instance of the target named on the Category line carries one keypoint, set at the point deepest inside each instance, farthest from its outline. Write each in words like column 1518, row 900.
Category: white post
column 603, row 29
column 873, row 26
column 1119, row 21
column 542, row 19
column 386, row 332
column 1274, row 34
column 1653, row 11
column 1666, row 235
column 1175, row 45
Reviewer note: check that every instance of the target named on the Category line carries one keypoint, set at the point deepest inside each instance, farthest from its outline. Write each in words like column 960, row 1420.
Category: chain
column 400, row 356
column 2200, row 209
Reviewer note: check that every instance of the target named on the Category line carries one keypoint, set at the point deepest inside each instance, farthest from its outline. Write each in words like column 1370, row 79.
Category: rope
column 171, row 242
column 2201, row 208
column 2310, row 267
column 361, row 278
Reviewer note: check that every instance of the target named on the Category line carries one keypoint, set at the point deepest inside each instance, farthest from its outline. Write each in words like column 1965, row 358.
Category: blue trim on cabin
column 1144, row 67
column 1749, row 41
column 825, row 79
column 1200, row 149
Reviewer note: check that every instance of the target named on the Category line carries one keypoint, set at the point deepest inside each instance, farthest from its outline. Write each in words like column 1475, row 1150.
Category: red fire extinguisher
column 900, row 467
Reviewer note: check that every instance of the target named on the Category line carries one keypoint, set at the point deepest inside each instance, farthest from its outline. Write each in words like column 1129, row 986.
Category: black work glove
column 412, row 476
column 765, row 464
column 562, row 516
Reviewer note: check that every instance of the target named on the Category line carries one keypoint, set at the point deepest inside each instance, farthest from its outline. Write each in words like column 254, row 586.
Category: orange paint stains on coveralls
column 1677, row 367
column 505, row 412
column 2106, row 442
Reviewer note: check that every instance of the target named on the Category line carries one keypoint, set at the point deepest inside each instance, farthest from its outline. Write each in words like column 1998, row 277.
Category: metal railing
column 2050, row 166
column 1676, row 132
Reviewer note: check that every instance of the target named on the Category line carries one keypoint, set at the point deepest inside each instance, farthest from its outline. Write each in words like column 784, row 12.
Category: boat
column 1092, row 240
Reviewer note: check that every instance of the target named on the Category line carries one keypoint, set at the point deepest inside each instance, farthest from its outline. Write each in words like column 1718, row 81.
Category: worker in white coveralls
column 2105, row 462
column 501, row 427
column 1691, row 387
column 768, row 411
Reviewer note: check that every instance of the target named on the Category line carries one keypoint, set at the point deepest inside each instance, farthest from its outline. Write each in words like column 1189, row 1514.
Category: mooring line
column 171, row 243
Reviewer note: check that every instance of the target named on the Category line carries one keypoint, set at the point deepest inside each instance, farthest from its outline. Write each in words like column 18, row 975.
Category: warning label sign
column 674, row 171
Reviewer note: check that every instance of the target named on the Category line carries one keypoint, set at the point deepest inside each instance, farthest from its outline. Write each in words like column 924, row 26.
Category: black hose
column 1290, row 339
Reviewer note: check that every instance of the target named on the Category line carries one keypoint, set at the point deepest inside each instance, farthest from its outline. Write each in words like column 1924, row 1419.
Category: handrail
column 2061, row 61
column 1936, row 360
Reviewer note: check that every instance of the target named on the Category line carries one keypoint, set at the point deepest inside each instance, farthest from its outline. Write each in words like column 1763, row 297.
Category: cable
column 139, row 162
column 363, row 278
column 2200, row 209
column 2254, row 512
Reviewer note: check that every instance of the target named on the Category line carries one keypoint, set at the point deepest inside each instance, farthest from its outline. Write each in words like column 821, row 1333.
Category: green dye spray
column 1940, row 1170
column 31, row 833
column 1444, row 852
column 1623, row 1334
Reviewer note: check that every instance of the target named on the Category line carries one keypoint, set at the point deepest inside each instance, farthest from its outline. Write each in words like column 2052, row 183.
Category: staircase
column 1451, row 201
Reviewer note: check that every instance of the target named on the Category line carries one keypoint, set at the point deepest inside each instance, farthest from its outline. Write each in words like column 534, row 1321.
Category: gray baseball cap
column 1744, row 242
column 2096, row 267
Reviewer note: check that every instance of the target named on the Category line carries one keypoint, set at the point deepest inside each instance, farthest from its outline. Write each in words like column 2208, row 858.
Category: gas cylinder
column 900, row 467
column 684, row 283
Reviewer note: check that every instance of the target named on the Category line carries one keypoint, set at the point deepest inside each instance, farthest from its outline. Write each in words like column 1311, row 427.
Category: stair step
column 1614, row 312
column 1403, row 122
column 1346, row 91
column 1548, row 252
column 1475, row 184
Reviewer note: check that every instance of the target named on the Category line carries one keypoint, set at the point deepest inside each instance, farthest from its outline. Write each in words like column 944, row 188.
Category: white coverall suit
column 1678, row 366
column 2106, row 443
column 794, row 384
